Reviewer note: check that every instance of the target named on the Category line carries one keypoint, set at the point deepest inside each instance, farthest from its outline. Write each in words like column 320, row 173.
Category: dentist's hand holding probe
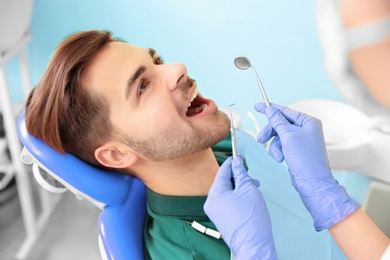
column 298, row 139
column 240, row 213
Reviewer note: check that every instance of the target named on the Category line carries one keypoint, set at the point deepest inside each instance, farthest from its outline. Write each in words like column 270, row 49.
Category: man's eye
column 159, row 60
column 142, row 87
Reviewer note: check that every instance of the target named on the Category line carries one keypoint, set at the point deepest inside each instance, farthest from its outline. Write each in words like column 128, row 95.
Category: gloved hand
column 240, row 213
column 299, row 140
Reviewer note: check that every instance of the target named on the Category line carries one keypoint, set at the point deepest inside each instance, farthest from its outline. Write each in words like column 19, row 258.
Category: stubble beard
column 176, row 144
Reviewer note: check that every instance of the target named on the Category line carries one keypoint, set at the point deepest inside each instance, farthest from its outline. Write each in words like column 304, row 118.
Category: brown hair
column 60, row 111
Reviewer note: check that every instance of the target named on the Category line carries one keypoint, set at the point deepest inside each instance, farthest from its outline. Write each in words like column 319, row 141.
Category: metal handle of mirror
column 243, row 63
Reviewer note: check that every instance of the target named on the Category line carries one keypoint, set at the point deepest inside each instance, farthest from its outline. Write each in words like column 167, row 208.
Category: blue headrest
column 108, row 187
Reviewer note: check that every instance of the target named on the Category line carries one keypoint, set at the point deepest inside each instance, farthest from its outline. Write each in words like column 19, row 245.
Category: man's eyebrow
column 131, row 81
column 135, row 76
column 152, row 52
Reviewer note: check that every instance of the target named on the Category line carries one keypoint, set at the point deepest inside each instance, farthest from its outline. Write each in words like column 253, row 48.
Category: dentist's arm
column 371, row 63
column 240, row 213
column 359, row 238
column 298, row 139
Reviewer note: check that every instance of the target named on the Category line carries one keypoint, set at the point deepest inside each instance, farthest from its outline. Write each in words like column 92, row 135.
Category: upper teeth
column 193, row 97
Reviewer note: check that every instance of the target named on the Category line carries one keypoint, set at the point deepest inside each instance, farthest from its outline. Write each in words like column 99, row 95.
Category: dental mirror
column 243, row 63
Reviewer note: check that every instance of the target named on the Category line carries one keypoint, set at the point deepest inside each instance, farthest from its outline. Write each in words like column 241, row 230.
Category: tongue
column 192, row 111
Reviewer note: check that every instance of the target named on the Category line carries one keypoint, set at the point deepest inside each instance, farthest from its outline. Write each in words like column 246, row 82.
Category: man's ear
column 115, row 155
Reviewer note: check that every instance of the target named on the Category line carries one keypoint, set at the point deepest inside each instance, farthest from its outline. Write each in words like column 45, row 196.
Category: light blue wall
column 278, row 36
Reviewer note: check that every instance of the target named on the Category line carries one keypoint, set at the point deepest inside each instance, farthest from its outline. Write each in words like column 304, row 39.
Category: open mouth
column 197, row 105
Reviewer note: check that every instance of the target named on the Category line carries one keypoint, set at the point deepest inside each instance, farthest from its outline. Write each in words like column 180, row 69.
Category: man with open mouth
column 119, row 106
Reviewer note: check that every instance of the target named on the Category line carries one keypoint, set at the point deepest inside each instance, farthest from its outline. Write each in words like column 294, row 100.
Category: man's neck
column 190, row 176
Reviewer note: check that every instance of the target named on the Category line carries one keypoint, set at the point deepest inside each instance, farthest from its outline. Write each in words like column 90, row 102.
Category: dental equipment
column 243, row 63
column 233, row 132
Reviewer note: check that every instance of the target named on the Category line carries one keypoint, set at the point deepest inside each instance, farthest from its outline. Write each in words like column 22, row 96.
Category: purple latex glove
column 299, row 141
column 240, row 212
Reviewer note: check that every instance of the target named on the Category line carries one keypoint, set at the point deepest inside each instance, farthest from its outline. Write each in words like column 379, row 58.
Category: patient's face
column 149, row 103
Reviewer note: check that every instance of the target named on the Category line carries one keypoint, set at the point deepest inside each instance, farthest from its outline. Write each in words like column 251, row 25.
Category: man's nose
column 174, row 75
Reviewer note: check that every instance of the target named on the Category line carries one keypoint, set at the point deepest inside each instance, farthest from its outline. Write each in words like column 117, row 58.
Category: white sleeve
column 369, row 33
column 386, row 254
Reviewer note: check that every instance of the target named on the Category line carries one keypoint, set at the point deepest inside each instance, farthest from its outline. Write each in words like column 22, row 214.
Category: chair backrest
column 121, row 227
column 122, row 198
column 101, row 185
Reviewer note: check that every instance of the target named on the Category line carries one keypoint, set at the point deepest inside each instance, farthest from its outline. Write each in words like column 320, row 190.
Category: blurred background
column 279, row 38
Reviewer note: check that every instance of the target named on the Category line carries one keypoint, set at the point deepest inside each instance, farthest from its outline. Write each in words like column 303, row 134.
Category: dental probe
column 243, row 63
column 233, row 132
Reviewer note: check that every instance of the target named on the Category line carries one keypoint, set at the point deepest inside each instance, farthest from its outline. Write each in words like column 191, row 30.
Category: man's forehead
column 117, row 52
column 123, row 46
column 129, row 47
column 112, row 57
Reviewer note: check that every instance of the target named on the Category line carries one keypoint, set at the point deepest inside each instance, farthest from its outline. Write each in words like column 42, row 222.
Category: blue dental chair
column 122, row 198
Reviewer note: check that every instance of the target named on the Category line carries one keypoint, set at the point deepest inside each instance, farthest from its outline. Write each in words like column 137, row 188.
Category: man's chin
column 222, row 137
column 223, row 128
